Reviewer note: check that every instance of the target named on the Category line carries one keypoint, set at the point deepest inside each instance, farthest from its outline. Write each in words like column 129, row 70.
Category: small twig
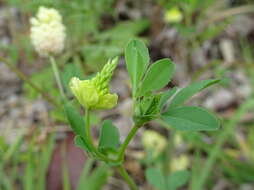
column 227, row 13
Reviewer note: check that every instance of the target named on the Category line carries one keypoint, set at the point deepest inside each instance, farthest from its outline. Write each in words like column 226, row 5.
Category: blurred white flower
column 154, row 142
column 47, row 32
column 179, row 163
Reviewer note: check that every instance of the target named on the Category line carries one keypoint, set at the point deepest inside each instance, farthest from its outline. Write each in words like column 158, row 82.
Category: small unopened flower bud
column 47, row 32
column 173, row 15
column 154, row 142
column 94, row 93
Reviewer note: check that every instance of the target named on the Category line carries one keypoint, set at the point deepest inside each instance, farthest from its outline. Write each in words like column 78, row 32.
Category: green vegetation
column 153, row 95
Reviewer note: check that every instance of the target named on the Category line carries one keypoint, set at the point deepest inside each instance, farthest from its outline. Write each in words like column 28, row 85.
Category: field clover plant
column 150, row 102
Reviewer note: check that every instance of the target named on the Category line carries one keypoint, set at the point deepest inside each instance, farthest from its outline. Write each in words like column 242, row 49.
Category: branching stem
column 123, row 147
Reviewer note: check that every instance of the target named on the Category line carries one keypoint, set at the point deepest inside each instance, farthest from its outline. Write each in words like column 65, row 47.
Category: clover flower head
column 94, row 93
column 173, row 15
column 47, row 32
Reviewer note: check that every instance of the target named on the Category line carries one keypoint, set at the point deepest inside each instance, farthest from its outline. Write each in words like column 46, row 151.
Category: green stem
column 23, row 77
column 126, row 142
column 169, row 151
column 88, row 127
column 127, row 178
column 57, row 76
column 90, row 139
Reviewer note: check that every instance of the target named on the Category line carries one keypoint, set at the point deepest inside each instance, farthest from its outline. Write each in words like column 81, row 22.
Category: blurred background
column 205, row 39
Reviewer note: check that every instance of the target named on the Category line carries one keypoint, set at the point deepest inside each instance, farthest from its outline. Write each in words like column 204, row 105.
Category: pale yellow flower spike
column 47, row 32
column 94, row 93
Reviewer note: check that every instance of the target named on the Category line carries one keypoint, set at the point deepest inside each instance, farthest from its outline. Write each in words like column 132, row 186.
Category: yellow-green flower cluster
column 47, row 32
column 94, row 93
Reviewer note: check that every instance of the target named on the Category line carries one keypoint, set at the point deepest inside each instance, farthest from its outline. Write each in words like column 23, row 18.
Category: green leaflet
column 157, row 76
column 178, row 179
column 137, row 59
column 81, row 143
column 155, row 177
column 165, row 96
column 109, row 137
column 161, row 182
column 191, row 118
column 76, row 121
column 190, row 90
